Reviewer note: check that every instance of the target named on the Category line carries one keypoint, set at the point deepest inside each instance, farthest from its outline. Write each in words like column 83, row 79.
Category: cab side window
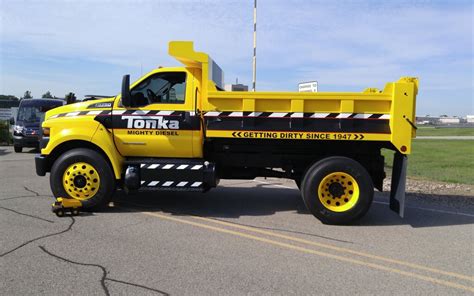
column 167, row 88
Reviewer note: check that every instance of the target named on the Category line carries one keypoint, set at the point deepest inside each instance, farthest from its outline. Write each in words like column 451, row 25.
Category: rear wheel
column 85, row 175
column 18, row 149
column 337, row 190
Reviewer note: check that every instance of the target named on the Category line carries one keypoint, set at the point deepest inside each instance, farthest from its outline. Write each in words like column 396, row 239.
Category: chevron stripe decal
column 297, row 115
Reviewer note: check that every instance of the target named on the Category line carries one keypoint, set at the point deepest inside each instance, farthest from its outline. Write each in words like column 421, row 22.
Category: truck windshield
column 29, row 114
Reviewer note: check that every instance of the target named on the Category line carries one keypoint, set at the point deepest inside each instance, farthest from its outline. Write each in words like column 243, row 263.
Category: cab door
column 159, row 123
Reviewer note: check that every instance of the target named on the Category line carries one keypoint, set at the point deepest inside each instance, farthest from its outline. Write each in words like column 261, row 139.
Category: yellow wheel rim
column 338, row 192
column 81, row 181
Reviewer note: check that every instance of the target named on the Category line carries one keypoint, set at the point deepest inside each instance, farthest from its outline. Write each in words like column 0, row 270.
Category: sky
column 87, row 46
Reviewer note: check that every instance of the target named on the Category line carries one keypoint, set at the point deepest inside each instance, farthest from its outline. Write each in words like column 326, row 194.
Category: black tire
column 316, row 174
column 60, row 213
column 107, row 179
column 18, row 149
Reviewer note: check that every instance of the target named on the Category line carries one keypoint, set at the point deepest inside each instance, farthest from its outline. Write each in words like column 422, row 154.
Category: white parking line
column 384, row 203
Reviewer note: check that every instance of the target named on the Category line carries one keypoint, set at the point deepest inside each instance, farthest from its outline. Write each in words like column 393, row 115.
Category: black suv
column 26, row 129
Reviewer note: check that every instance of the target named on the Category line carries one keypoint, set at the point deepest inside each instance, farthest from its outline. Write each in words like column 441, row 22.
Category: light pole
column 254, row 74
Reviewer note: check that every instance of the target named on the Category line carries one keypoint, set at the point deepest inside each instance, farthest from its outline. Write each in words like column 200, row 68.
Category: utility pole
column 254, row 75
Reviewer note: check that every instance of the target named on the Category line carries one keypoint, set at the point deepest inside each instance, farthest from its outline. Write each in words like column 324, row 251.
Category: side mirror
column 126, row 98
column 12, row 121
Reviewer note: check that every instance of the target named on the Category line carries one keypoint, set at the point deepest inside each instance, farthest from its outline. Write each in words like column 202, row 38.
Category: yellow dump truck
column 177, row 129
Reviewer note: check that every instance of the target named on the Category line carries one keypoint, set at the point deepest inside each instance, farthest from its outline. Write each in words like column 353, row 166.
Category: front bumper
column 24, row 141
column 42, row 164
column 43, row 142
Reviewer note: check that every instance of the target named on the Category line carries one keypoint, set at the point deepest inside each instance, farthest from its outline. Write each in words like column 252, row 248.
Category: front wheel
column 337, row 190
column 18, row 149
column 85, row 175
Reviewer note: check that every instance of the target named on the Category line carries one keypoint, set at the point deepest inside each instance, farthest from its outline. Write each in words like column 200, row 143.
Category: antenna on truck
column 254, row 75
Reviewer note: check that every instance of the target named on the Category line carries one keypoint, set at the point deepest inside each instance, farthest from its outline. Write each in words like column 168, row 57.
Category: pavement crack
column 23, row 196
column 137, row 285
column 28, row 215
column 104, row 277
column 32, row 191
column 15, row 197
column 38, row 238
column 102, row 268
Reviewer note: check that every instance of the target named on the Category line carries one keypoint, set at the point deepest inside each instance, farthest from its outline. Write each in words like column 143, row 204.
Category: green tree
column 8, row 97
column 47, row 95
column 70, row 98
column 27, row 95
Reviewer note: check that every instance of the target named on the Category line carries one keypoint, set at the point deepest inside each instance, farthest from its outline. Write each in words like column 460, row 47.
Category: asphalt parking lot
column 245, row 237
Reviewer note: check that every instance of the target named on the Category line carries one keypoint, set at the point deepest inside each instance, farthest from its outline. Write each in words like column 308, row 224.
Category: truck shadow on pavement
column 234, row 202
column 31, row 150
column 219, row 203
column 4, row 151
column 9, row 149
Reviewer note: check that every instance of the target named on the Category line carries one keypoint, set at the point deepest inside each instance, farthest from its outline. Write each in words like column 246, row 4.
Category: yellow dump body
column 371, row 115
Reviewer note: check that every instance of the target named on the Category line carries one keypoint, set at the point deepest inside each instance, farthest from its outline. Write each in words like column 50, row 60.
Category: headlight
column 18, row 129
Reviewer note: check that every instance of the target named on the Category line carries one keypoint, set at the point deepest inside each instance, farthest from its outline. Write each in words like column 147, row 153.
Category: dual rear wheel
column 337, row 190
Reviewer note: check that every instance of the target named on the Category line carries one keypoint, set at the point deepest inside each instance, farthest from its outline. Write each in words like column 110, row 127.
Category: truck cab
column 159, row 115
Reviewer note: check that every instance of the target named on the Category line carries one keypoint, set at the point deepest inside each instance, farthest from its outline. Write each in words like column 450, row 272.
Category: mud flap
column 397, row 189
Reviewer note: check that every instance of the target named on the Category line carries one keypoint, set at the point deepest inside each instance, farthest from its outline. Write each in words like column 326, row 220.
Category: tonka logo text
column 150, row 122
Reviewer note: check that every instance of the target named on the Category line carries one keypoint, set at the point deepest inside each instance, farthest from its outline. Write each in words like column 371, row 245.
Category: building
column 4, row 104
column 431, row 120
column 449, row 120
column 236, row 87
column 8, row 109
column 470, row 118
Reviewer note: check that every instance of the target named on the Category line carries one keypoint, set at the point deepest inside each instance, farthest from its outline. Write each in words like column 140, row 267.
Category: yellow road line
column 314, row 252
column 339, row 249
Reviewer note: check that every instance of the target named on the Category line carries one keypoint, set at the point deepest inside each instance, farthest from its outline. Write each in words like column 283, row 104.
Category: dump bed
column 371, row 115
